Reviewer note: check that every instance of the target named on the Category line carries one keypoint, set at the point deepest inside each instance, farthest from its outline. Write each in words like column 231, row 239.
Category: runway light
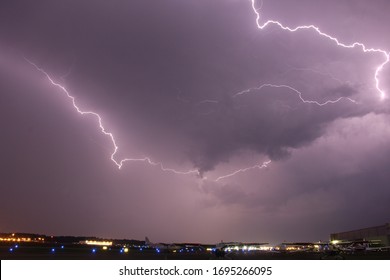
column 97, row 243
column 53, row 250
column 11, row 249
column 126, row 250
column 16, row 246
column 62, row 247
column 104, row 247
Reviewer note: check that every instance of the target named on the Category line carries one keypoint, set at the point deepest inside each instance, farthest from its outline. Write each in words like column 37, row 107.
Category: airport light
column 98, row 243
column 14, row 239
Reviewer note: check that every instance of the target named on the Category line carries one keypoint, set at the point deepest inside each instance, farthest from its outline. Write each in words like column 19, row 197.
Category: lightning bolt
column 296, row 91
column 257, row 166
column 118, row 163
column 380, row 67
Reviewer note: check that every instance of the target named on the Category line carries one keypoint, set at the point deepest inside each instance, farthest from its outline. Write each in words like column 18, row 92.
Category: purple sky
column 164, row 77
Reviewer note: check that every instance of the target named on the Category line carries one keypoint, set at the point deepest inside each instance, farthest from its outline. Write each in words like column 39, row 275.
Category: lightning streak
column 118, row 163
column 257, row 166
column 335, row 40
column 296, row 91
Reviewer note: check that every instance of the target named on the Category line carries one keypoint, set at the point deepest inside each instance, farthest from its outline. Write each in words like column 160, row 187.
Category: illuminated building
column 97, row 242
column 19, row 238
column 378, row 233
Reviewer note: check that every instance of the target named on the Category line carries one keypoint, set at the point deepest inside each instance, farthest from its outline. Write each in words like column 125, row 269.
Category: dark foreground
column 76, row 252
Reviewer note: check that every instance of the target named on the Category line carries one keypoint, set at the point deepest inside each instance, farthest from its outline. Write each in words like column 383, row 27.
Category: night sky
column 179, row 82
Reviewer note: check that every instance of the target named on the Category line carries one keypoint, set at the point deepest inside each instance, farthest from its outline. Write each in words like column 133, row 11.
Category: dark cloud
column 139, row 54
column 347, row 142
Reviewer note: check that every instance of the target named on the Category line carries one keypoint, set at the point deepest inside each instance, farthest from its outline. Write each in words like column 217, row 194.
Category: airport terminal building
column 378, row 233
